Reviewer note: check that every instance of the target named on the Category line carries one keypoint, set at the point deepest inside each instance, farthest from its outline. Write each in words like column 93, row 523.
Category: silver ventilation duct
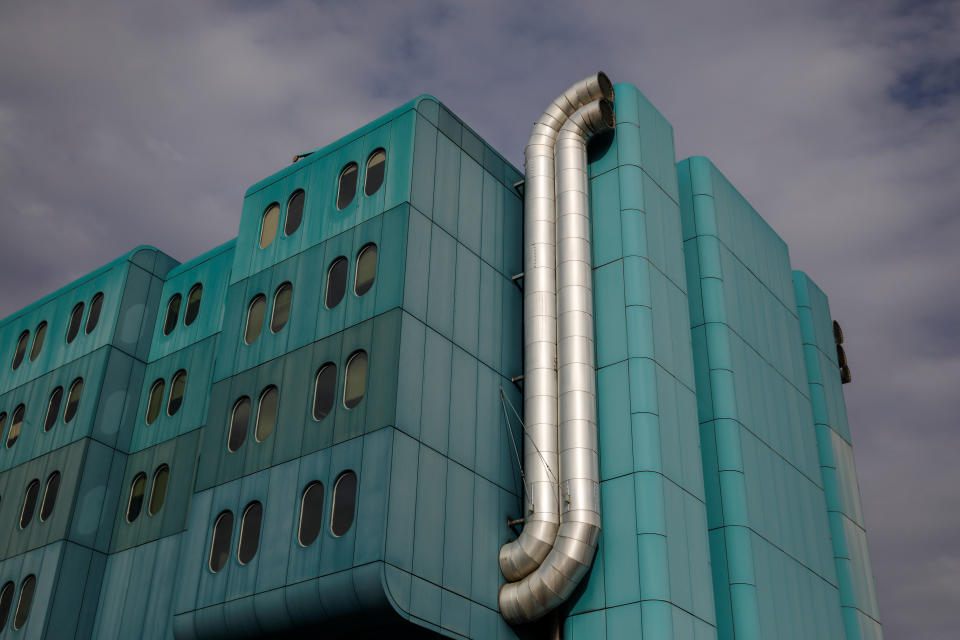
column 571, row 555
column 542, row 517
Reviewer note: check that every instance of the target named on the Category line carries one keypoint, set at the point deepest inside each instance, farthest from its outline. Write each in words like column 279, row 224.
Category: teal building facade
column 315, row 427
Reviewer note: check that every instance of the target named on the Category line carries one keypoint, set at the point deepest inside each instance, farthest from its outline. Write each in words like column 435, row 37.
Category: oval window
column 53, row 409
column 268, row 225
column 294, row 212
column 158, row 491
column 38, row 335
column 76, row 320
column 21, row 349
column 135, row 502
column 29, row 503
column 6, row 602
column 26, row 599
column 50, row 496
column 16, row 423
column 249, row 532
column 173, row 312
column 281, row 307
column 73, row 400
column 366, row 269
column 93, row 317
column 177, row 387
column 311, row 514
column 344, row 501
column 376, row 164
column 155, row 401
column 347, row 185
column 837, row 333
column 355, row 379
column 220, row 544
column 193, row 304
column 239, row 420
column 324, row 391
column 255, row 314
column 266, row 413
column 336, row 282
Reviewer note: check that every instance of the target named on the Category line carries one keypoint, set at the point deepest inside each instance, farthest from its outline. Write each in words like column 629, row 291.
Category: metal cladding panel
column 212, row 272
column 197, row 361
column 126, row 289
column 854, row 571
column 296, row 432
column 180, row 456
column 653, row 563
column 318, row 174
column 770, row 544
column 310, row 319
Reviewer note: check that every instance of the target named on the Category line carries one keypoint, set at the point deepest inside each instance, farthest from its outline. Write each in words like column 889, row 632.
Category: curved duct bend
column 572, row 554
column 540, row 462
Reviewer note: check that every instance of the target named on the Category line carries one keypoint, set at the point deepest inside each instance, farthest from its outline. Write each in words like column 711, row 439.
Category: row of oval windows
column 158, row 492
column 73, row 330
column 52, row 415
column 32, row 494
column 27, row 588
column 308, row 528
column 324, row 393
column 189, row 315
column 346, row 192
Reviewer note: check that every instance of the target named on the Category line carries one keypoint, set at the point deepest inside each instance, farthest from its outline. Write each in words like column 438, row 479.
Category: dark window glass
column 93, row 317
column 344, row 501
column 21, row 350
column 26, row 599
column 324, row 391
column 220, row 544
column 845, row 376
column 347, row 185
column 173, row 312
column 76, row 319
column 29, row 503
column 239, row 420
column 50, row 495
column 281, row 307
column 193, row 304
column 294, row 212
column 6, row 601
column 53, row 409
column 255, row 314
column 366, row 269
column 355, row 379
column 336, row 282
column 155, row 401
column 376, row 164
column 16, row 423
column 39, row 334
column 266, row 413
column 158, row 492
column 837, row 333
column 135, row 503
column 249, row 532
column 177, row 387
column 73, row 400
column 269, row 224
column 311, row 514
column 841, row 357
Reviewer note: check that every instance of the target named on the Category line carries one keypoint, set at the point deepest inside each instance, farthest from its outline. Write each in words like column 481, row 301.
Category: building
column 316, row 426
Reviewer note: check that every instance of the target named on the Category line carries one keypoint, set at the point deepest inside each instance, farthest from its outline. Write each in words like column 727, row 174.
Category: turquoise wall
column 729, row 497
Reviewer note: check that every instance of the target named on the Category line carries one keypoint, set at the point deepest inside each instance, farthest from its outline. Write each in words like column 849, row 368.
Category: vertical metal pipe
column 540, row 395
column 550, row 584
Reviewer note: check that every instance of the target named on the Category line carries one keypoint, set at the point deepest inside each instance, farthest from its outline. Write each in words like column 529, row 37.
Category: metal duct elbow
column 542, row 509
column 572, row 554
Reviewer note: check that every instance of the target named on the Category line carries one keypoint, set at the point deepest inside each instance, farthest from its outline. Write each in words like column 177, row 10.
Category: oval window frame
column 272, row 209
column 233, row 423
column 47, row 503
column 93, row 315
column 20, row 350
column 142, row 478
column 287, row 230
column 192, row 310
column 260, row 302
column 367, row 191
column 216, row 537
column 172, row 315
column 333, row 505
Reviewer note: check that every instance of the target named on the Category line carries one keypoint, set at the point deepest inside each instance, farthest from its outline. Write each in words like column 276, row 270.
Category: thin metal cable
column 524, row 427
column 513, row 441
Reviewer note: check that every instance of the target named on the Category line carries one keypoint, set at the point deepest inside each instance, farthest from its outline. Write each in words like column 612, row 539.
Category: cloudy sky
column 128, row 123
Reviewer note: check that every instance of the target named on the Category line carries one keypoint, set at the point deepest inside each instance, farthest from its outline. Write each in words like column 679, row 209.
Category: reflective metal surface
column 540, row 392
column 571, row 553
